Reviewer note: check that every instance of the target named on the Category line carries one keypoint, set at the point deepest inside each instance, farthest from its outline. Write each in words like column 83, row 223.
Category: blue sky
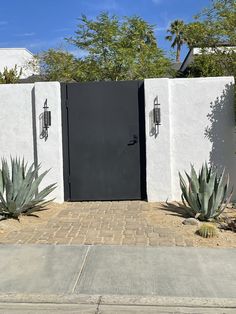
column 39, row 25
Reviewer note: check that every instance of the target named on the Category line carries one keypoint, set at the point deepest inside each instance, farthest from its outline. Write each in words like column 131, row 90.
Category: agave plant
column 19, row 193
column 206, row 193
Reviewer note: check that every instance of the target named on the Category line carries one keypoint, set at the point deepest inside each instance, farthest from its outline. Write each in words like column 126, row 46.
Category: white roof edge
column 230, row 78
column 18, row 49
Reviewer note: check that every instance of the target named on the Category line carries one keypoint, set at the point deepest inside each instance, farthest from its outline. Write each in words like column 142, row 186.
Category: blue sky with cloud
column 39, row 25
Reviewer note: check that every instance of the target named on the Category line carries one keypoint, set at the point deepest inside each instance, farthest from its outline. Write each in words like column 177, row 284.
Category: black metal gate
column 104, row 140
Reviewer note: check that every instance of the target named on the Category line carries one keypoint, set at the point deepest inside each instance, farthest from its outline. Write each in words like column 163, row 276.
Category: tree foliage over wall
column 111, row 49
column 219, row 63
column 59, row 65
column 10, row 76
column 214, row 27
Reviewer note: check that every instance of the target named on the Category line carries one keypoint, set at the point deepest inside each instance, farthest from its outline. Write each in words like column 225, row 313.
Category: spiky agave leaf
column 21, row 194
column 2, row 187
column 203, row 197
column 206, row 194
column 224, row 204
column 25, row 186
column 183, row 186
column 38, row 202
column 33, row 190
column 194, row 180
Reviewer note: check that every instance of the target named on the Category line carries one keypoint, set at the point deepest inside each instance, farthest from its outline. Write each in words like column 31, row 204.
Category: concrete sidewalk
column 103, row 279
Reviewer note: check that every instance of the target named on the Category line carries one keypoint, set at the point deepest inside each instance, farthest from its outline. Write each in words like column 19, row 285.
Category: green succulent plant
column 207, row 230
column 19, row 189
column 205, row 194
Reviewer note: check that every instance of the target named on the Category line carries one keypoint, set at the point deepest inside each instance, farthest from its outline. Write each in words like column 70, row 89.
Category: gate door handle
column 133, row 141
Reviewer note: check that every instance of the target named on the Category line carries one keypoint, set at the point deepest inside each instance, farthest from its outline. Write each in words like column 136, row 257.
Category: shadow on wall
column 221, row 132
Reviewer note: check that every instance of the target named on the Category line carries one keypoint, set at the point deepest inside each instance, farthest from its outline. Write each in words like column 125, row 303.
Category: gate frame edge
column 142, row 140
column 65, row 141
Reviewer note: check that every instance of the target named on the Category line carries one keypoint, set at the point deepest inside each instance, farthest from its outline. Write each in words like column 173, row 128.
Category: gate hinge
column 69, row 180
column 67, row 103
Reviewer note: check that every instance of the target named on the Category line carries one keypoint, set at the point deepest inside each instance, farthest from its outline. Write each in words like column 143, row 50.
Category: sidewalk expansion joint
column 81, row 269
column 98, row 305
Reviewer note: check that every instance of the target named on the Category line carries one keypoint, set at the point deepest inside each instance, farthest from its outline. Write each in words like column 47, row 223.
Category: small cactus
column 207, row 230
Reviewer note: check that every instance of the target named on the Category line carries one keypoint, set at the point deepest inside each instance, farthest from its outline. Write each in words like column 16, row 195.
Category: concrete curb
column 49, row 298
column 169, row 301
column 120, row 300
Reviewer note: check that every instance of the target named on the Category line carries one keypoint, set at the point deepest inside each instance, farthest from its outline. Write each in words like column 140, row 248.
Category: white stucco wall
column 49, row 152
column 202, row 128
column 20, row 107
column 16, row 136
column 158, row 158
column 203, row 125
column 197, row 125
column 21, row 57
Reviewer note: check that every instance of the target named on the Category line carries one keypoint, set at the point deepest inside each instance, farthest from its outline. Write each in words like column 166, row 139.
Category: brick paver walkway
column 98, row 223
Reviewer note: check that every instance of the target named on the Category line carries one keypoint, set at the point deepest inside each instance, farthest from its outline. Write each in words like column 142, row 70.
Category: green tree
column 57, row 65
column 221, row 63
column 113, row 49
column 198, row 34
column 176, row 31
column 10, row 76
column 213, row 27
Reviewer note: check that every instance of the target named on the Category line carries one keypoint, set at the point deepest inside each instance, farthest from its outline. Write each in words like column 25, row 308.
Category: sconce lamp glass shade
column 157, row 115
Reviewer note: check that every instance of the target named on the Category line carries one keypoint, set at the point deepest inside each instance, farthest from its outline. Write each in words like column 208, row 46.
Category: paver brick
column 113, row 223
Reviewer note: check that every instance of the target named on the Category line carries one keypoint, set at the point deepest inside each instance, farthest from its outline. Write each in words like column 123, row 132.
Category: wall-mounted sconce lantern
column 155, row 118
column 156, row 112
column 45, row 121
